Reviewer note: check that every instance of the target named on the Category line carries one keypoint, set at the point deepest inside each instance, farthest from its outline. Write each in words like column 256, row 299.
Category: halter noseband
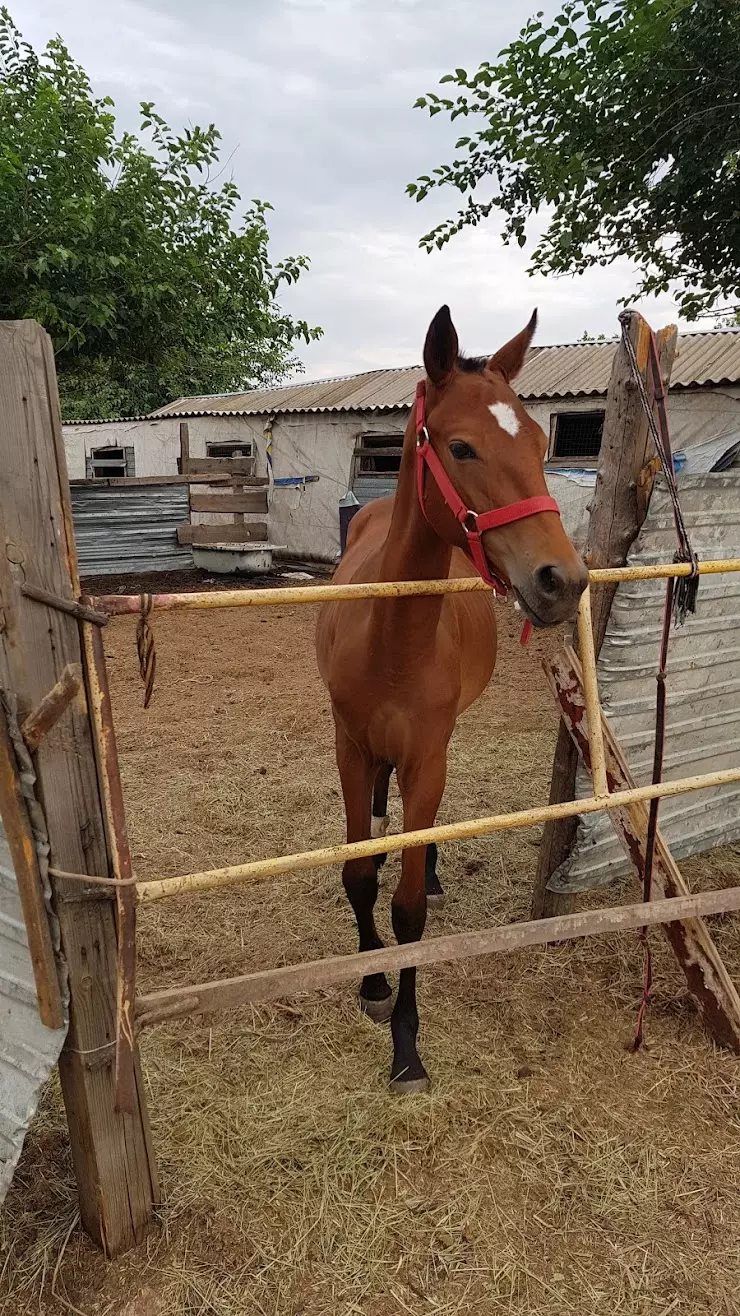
column 473, row 523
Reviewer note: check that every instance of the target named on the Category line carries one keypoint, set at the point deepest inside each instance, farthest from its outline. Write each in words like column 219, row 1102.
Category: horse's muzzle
column 551, row 593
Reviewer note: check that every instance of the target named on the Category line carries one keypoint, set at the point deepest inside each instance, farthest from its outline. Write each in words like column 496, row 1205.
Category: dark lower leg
column 407, row 1072
column 379, row 820
column 435, row 893
column 422, row 786
column 361, row 884
column 359, row 876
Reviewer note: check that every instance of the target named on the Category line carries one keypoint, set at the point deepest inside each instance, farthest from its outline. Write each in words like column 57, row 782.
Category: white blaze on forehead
column 506, row 416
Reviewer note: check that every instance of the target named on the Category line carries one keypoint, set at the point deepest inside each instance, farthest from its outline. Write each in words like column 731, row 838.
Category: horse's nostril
column 549, row 581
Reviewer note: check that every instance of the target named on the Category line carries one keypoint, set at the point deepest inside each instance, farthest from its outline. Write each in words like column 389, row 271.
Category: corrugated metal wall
column 703, row 704
column 130, row 528
column 367, row 487
column 28, row 1050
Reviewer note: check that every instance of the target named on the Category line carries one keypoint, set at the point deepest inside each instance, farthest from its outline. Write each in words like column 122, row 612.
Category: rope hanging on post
column 680, row 599
column 145, row 648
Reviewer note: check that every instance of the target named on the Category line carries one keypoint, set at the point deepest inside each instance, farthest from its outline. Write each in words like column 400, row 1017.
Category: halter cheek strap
column 473, row 523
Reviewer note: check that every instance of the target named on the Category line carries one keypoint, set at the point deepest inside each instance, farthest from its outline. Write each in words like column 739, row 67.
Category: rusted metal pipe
column 122, row 604
column 260, row 869
column 591, row 694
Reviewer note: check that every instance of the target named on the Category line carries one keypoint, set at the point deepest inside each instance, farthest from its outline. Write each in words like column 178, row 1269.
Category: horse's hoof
column 379, row 1011
column 408, row 1087
column 436, row 900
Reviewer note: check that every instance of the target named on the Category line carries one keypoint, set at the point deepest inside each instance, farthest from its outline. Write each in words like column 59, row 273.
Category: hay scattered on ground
column 548, row 1171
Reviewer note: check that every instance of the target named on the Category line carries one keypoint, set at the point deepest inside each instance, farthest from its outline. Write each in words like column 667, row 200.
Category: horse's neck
column 412, row 551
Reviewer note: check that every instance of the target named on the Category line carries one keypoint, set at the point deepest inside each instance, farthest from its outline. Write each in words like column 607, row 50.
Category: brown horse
column 400, row 671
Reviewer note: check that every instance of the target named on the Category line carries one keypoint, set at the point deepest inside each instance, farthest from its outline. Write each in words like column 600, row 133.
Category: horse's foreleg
column 360, row 876
column 380, row 821
column 435, row 892
column 422, row 787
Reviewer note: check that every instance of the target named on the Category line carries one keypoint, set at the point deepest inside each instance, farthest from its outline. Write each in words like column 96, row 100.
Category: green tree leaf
column 126, row 252
column 622, row 118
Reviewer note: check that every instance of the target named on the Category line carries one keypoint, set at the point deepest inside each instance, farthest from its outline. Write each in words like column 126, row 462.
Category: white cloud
column 314, row 99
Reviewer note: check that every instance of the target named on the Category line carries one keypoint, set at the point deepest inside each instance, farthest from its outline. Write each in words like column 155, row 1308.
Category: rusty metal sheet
column 28, row 1050
column 703, row 707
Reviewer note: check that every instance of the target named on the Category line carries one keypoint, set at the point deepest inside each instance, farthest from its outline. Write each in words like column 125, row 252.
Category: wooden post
column 618, row 510
column 112, row 1153
column 184, row 448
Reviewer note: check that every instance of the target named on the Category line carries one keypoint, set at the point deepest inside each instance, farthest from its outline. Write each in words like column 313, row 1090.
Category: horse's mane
column 472, row 365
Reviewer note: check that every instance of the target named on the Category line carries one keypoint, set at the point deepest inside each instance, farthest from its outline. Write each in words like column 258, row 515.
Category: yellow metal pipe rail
column 122, row 604
column 260, row 869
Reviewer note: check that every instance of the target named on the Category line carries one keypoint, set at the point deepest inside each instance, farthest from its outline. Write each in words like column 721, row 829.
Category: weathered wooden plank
column 135, row 481
column 271, row 984
column 48, row 712
column 23, row 854
column 228, row 466
column 229, row 502
column 222, row 534
column 115, row 1174
column 104, row 738
column 617, row 512
column 706, row 974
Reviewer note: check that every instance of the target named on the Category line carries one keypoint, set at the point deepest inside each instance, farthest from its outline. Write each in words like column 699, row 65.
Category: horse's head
column 494, row 455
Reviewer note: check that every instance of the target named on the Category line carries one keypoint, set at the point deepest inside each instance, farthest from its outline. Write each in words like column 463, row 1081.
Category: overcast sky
column 314, row 98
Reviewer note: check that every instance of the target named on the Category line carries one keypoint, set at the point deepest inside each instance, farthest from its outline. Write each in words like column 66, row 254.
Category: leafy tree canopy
column 130, row 257
column 620, row 120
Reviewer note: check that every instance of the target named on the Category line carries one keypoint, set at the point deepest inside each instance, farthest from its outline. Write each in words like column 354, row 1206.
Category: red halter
column 473, row 523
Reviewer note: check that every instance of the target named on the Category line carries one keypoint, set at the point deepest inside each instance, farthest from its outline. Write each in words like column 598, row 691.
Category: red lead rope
column 473, row 523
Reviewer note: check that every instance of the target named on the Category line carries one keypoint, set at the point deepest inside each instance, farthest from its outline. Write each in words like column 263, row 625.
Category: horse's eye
column 462, row 452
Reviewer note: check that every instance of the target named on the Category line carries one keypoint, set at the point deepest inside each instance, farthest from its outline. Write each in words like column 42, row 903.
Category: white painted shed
column 318, row 440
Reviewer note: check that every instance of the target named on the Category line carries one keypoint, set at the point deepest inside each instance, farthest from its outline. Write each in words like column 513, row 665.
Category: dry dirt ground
column 549, row 1170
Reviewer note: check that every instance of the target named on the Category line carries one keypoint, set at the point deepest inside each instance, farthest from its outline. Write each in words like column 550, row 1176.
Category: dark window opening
column 577, row 436
column 229, row 449
column 111, row 463
column 378, row 454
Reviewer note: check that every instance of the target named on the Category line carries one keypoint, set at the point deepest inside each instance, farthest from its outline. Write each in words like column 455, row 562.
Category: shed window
column 576, row 436
column 378, row 454
column 242, row 449
column 110, row 463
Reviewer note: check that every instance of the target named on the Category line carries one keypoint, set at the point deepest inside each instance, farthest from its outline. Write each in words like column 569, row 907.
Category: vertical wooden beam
column 184, row 448
column 112, row 1157
column 591, row 694
column 617, row 512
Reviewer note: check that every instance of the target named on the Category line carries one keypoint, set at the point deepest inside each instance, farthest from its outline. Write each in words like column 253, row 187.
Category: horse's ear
column 509, row 359
column 441, row 347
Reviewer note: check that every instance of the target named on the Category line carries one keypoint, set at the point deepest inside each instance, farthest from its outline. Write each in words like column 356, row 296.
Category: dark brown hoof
column 408, row 1087
column 436, row 901
column 379, row 1011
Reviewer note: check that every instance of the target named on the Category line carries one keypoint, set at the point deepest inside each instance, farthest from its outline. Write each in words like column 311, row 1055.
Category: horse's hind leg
column 360, row 876
column 380, row 821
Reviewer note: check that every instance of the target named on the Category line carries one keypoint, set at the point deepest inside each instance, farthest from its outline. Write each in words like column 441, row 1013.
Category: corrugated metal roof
column 703, row 704
column 569, row 370
column 28, row 1050
column 129, row 528
column 156, row 415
